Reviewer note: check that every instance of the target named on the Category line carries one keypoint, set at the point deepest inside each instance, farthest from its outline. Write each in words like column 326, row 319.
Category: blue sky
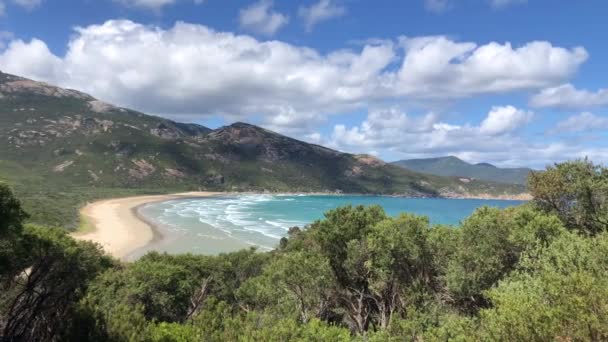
column 511, row 82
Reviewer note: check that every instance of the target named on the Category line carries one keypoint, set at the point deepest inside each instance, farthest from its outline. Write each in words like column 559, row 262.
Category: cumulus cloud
column 437, row 6
column 5, row 37
column 583, row 122
column 320, row 11
column 505, row 3
column 440, row 67
column 501, row 120
column 155, row 5
column 440, row 6
column 260, row 18
column 28, row 4
column 404, row 136
column 33, row 59
column 394, row 129
column 566, row 96
column 191, row 69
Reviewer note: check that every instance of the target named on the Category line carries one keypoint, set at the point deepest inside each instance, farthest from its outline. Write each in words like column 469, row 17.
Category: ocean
column 227, row 223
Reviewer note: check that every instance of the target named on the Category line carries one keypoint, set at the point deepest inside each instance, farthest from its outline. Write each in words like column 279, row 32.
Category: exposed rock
column 165, row 132
column 353, row 172
column 218, row 157
column 105, row 125
column 21, row 85
column 61, row 167
column 121, row 149
column 131, row 126
column 142, row 169
column 60, row 152
column 175, row 173
column 100, row 106
column 369, row 160
column 94, row 176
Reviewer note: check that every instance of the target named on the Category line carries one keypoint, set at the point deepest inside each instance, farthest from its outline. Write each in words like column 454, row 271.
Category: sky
column 510, row 82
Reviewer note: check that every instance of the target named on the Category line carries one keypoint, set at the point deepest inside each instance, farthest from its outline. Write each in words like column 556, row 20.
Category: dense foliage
column 537, row 272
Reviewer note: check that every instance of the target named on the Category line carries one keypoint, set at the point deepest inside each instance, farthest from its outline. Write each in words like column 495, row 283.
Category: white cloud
column 440, row 67
column 393, row 128
column 501, row 120
column 505, row 3
column 566, row 96
column 320, row 11
column 5, row 37
column 583, row 122
column 193, row 70
column 440, row 6
column 437, row 6
column 33, row 58
column 402, row 136
column 28, row 4
column 155, row 5
column 260, row 18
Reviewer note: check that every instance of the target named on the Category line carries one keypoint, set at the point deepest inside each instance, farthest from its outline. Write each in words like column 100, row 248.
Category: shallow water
column 226, row 223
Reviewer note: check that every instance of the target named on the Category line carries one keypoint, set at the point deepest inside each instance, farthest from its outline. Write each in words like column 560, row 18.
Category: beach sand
column 117, row 227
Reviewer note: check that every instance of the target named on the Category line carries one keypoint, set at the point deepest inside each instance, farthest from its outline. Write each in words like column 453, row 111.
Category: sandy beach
column 117, row 228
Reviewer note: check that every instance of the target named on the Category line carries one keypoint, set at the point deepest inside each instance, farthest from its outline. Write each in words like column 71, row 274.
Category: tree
column 302, row 281
column 161, row 289
column 559, row 292
column 491, row 242
column 11, row 227
column 576, row 191
column 400, row 264
column 339, row 228
column 40, row 303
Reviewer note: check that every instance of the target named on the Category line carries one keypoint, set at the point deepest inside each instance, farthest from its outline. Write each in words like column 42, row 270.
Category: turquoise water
column 219, row 224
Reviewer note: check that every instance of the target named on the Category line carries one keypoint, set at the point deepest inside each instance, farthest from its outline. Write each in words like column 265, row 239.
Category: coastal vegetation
column 536, row 272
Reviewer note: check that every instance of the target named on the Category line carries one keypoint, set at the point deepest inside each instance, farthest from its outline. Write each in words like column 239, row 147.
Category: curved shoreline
column 119, row 229
column 122, row 231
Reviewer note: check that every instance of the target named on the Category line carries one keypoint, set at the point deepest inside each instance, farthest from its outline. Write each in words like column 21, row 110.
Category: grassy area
column 85, row 225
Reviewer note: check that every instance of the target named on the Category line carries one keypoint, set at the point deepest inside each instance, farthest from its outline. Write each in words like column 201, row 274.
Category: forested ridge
column 538, row 272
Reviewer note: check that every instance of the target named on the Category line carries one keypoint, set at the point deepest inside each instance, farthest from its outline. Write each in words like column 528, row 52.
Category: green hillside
column 62, row 148
column 454, row 167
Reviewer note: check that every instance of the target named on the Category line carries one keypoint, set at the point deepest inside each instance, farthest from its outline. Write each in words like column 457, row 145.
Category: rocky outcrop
column 369, row 160
column 101, row 107
column 174, row 173
column 165, row 132
column 14, row 85
column 142, row 169
column 61, row 167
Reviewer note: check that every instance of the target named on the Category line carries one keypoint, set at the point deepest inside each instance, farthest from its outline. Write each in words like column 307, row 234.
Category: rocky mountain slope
column 454, row 167
column 56, row 142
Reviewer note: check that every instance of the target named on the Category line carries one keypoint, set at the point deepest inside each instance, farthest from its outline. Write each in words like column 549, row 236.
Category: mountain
column 61, row 148
column 454, row 167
